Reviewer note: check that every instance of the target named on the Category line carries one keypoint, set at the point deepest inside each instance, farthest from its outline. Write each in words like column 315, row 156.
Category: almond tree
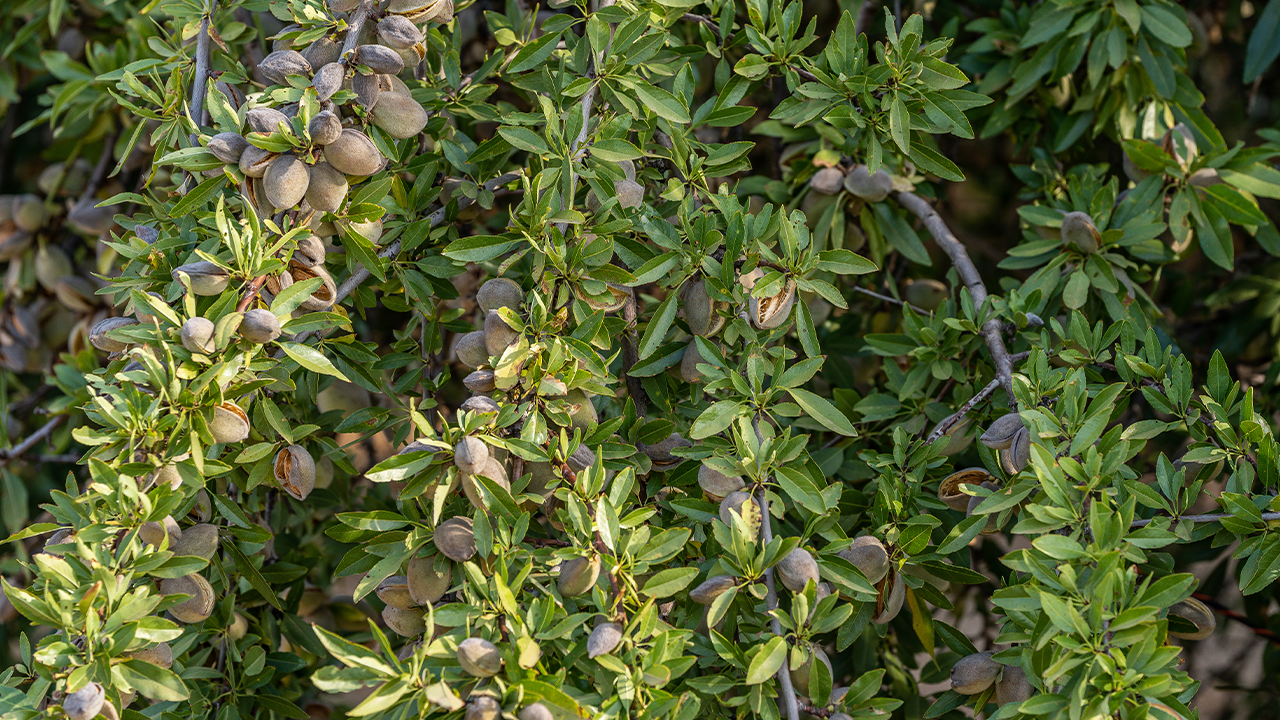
column 679, row 362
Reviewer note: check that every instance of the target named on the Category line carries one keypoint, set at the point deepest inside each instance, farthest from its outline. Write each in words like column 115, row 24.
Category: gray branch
column 201, row 80
column 1213, row 517
column 968, row 272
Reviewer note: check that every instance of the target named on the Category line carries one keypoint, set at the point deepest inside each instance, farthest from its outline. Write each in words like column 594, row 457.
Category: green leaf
column 250, row 573
column 1162, row 23
column 1235, row 207
column 715, row 419
column 532, row 55
column 614, row 150
column 658, row 326
column 198, row 197
column 823, row 411
column 1264, row 43
column 291, row 297
column 900, row 124
column 845, row 262
column 479, row 248
column 767, row 661
column 930, row 160
column 311, row 359
column 153, row 681
column 661, row 102
column 669, row 582
column 524, row 139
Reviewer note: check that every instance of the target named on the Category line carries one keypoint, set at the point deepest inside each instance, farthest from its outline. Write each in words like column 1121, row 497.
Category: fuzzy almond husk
column 426, row 585
column 742, row 504
column 85, row 703
column 797, row 569
column 868, row 554
column 578, row 575
column 98, row 333
column 286, row 181
column 716, row 484
column 260, row 326
column 353, row 153
column 194, row 609
column 1012, row 687
column 198, row 540
column 872, row 188
column 456, row 538
column 604, row 639
column 399, row 115
column 228, row 147
column 771, row 312
column 230, row 424
column 479, row 657
column 974, row 673
column 405, row 622
column 197, row 335
column 712, row 588
column 1000, row 434
column 472, row 350
column 470, row 454
column 395, row 591
column 497, row 293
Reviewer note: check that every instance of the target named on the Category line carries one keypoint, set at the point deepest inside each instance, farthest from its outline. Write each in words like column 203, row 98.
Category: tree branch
column 771, row 602
column 771, row 597
column 948, row 423
column 1213, row 517
column 355, row 26
column 888, row 299
column 31, row 441
column 964, row 266
column 203, row 42
column 865, row 14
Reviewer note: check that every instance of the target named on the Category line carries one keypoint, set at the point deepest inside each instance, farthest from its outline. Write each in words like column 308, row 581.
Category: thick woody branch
column 355, row 25
column 771, row 602
column 771, row 596
column 968, row 272
column 203, row 43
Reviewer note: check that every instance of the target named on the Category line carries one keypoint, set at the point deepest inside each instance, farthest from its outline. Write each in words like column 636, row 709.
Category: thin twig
column 250, row 293
column 100, row 170
column 969, row 404
column 889, row 299
column 1212, row 517
column 630, row 356
column 964, row 266
column 712, row 25
column 31, row 441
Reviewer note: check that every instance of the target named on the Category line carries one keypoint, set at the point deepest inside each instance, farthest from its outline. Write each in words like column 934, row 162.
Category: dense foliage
column 633, row 358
